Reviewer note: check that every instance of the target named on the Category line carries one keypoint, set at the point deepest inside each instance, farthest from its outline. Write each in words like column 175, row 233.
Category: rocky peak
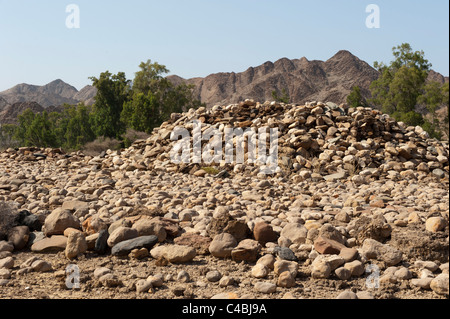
column 59, row 87
column 304, row 80
column 55, row 93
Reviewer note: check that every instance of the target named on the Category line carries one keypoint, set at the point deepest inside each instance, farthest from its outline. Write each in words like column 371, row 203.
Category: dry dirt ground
column 52, row 285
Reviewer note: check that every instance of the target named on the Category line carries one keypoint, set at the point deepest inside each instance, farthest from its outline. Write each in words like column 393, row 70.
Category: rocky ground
column 358, row 208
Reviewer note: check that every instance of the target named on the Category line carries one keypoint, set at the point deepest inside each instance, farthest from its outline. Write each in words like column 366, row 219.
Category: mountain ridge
column 303, row 79
column 54, row 93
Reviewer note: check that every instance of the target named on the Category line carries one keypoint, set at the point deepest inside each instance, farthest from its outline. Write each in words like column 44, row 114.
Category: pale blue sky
column 199, row 37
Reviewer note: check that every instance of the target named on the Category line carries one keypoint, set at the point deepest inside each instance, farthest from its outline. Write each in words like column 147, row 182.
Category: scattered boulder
column 176, row 254
column 440, row 284
column 124, row 247
column 199, row 242
column 327, row 246
column 147, row 227
column 295, row 232
column 264, row 233
column 7, row 263
column 260, row 271
column 50, row 245
column 222, row 245
column 58, row 221
column 265, row 287
column 246, row 250
column 435, row 224
column 121, row 234
column 376, row 228
column 19, row 236
column 373, row 249
column 76, row 245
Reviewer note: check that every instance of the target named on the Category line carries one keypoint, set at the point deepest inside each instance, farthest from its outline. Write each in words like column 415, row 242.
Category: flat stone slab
column 73, row 205
column 125, row 247
column 335, row 176
column 50, row 245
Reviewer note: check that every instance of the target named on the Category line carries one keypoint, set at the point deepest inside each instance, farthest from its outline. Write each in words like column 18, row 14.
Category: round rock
column 213, row 276
column 58, row 221
column 222, row 245
column 264, row 233
column 265, row 287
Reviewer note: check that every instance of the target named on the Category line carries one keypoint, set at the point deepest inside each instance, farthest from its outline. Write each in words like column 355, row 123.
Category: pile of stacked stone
column 314, row 140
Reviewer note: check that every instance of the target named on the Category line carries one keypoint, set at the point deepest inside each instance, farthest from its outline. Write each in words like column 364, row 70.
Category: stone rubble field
column 358, row 208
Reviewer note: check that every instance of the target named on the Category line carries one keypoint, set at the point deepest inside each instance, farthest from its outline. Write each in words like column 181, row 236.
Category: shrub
column 132, row 135
column 7, row 140
column 100, row 145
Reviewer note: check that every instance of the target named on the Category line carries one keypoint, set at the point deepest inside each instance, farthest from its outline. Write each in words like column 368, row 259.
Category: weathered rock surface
column 222, row 245
column 174, row 253
column 373, row 249
column 58, row 221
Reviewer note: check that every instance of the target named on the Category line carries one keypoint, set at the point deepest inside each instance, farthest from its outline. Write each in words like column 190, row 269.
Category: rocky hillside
column 86, row 95
column 358, row 209
column 3, row 103
column 303, row 80
column 54, row 93
column 11, row 112
column 437, row 77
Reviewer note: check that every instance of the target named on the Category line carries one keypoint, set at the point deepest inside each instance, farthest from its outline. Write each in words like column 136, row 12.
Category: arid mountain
column 302, row 79
column 11, row 112
column 54, row 93
column 437, row 77
column 86, row 94
column 49, row 97
column 3, row 103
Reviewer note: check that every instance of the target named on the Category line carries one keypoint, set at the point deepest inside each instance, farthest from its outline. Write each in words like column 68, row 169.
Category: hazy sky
column 199, row 37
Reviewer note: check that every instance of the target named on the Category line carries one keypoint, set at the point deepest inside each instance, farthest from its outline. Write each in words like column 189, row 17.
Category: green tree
column 113, row 92
column 36, row 130
column 433, row 98
column 24, row 123
column 178, row 99
column 445, row 101
column 432, row 128
column 7, row 133
column 75, row 126
column 397, row 90
column 355, row 98
column 154, row 98
column 142, row 112
column 150, row 78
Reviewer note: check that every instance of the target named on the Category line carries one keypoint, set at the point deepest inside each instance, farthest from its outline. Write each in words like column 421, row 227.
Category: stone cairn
column 316, row 140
